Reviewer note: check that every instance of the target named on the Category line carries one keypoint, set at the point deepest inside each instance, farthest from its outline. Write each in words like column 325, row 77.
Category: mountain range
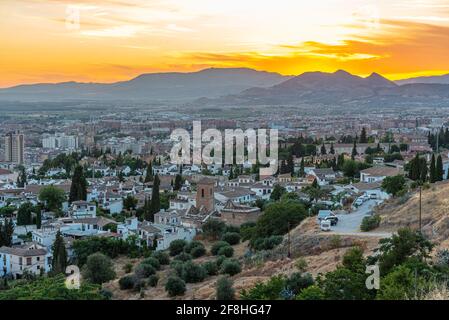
column 444, row 79
column 243, row 86
column 213, row 82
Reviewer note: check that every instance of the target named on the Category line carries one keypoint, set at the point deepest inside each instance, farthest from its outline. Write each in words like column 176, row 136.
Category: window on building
column 202, row 193
column 29, row 260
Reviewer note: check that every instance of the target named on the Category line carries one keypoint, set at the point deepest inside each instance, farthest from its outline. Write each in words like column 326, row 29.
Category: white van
column 325, row 225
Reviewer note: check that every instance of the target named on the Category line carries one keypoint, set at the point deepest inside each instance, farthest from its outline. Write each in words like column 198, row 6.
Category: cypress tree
column 323, row 149
column 439, row 169
column 332, row 150
column 414, row 168
column 354, row 151
column 423, row 170
column 301, row 168
column 24, row 214
column 78, row 189
column 59, row 262
column 290, row 164
column 22, row 178
column 149, row 175
column 38, row 219
column 363, row 137
column 6, row 232
column 433, row 172
column 155, row 204
column 178, row 182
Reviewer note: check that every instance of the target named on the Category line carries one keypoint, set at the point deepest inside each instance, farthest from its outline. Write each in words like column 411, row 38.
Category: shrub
column 178, row 267
column 193, row 273
column 139, row 284
column 183, row 257
column 144, row 270
column 247, row 230
column 214, row 228
column 219, row 261
column 152, row 262
column 225, row 291
column 98, row 269
column 191, row 245
column 301, row 264
column 153, row 280
column 211, row 267
column 231, row 267
column 217, row 245
column 266, row 243
column 227, row 251
column 311, row 293
column 176, row 247
column 127, row 282
column 128, row 268
column 370, row 223
column 297, row 281
column 198, row 252
column 231, row 228
column 175, row 286
column 162, row 257
column 231, row 237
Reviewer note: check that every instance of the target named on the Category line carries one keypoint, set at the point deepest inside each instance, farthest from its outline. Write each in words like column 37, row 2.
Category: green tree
column 53, row 197
column 51, row 288
column 363, row 137
column 6, row 232
column 175, row 286
column 278, row 217
column 433, row 171
column 323, row 149
column 277, row 192
column 130, row 203
column 394, row 185
column 59, row 261
column 224, row 289
column 98, row 269
column 38, row 219
column 155, row 203
column 178, row 182
column 149, row 175
column 332, row 150
column 311, row 293
column 301, row 168
column 22, row 178
column 354, row 151
column 213, row 228
column 401, row 246
column 25, row 214
column 439, row 172
column 78, row 188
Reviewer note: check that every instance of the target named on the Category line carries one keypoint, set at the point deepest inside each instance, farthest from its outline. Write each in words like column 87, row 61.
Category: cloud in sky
column 394, row 37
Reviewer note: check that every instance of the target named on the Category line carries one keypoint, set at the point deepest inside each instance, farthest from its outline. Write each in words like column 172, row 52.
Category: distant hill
column 444, row 79
column 339, row 88
column 213, row 82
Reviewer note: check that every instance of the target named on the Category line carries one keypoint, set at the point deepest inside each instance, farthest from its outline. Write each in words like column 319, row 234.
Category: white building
column 31, row 258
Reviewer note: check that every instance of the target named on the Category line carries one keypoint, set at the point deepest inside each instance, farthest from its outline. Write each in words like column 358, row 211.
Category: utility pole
column 289, row 253
column 420, row 209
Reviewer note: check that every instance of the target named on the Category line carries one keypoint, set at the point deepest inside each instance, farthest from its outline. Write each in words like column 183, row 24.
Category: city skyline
column 117, row 40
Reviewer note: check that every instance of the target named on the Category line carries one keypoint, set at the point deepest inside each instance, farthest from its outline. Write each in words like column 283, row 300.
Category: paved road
column 349, row 224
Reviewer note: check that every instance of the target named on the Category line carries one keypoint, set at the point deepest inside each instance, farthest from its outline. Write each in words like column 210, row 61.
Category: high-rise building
column 14, row 148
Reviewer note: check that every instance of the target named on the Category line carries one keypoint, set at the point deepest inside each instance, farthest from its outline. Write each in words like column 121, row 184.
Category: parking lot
column 349, row 224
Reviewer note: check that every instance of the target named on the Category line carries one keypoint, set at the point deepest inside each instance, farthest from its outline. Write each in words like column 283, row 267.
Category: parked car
column 333, row 220
column 325, row 225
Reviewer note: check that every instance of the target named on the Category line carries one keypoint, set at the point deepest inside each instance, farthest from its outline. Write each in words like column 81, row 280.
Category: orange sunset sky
column 119, row 39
